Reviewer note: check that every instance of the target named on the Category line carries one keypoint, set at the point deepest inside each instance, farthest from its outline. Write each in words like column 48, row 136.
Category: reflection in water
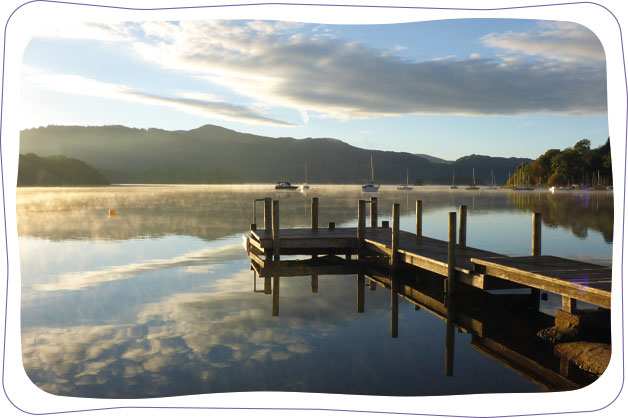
column 157, row 300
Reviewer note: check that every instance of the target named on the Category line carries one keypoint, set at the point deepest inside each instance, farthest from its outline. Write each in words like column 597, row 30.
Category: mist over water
column 159, row 299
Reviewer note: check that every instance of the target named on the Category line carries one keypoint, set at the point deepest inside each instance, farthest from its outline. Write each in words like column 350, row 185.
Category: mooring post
column 314, row 213
column 275, row 230
column 535, row 294
column 275, row 296
column 536, row 233
column 394, row 256
column 373, row 212
column 360, row 285
column 419, row 218
column 268, row 222
column 361, row 223
column 451, row 255
column 462, row 233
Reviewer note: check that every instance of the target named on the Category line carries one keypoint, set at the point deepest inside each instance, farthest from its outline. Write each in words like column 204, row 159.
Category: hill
column 56, row 171
column 125, row 154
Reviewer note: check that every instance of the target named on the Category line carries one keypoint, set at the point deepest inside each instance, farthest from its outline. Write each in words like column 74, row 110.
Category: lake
column 160, row 300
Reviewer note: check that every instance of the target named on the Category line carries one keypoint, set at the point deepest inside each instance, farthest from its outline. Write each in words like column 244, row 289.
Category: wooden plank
column 509, row 268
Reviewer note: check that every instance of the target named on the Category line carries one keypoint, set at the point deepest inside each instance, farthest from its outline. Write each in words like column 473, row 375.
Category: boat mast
column 305, row 172
column 407, row 175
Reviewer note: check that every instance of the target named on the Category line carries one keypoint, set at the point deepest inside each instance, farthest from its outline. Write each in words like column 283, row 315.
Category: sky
column 448, row 88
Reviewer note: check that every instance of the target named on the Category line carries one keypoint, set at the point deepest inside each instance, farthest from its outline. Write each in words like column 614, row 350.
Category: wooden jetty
column 455, row 261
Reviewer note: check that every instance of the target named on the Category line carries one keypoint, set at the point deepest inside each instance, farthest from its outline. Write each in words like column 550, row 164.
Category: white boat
column 304, row 187
column 370, row 186
column 284, row 185
column 474, row 187
column 405, row 186
column 493, row 185
column 453, row 180
column 552, row 189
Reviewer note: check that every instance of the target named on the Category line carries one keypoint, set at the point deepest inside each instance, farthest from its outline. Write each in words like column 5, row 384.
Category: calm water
column 159, row 300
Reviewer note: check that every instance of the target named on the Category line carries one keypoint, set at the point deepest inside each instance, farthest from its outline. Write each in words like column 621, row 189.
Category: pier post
column 275, row 229
column 268, row 222
column 314, row 283
column 361, row 223
column 373, row 212
column 394, row 256
column 419, row 218
column 275, row 296
column 267, row 287
column 536, row 251
column 451, row 254
column 360, row 285
column 462, row 232
column 314, row 213
column 536, row 233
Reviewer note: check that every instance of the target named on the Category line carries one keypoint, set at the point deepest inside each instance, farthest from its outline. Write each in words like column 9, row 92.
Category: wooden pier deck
column 453, row 259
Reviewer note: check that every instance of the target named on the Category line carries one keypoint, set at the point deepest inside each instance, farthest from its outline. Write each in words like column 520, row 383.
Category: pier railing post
column 394, row 256
column 275, row 230
column 314, row 213
column 536, row 233
column 451, row 255
column 462, row 233
column 361, row 223
column 373, row 212
column 268, row 214
column 419, row 218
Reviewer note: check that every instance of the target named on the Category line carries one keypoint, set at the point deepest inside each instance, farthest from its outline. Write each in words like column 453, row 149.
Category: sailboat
column 371, row 186
column 474, row 187
column 493, row 185
column 453, row 180
column 304, row 187
column 406, row 186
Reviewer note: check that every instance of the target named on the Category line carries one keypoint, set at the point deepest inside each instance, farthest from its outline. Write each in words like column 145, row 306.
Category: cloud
column 289, row 66
column 200, row 104
column 561, row 41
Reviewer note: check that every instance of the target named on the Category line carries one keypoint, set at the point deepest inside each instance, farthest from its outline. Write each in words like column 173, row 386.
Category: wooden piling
column 314, row 213
column 451, row 254
column 268, row 217
column 267, row 286
column 373, row 212
column 462, row 228
column 450, row 338
column 361, row 223
column 275, row 229
column 360, row 284
column 419, row 218
column 314, row 283
column 536, row 233
column 394, row 256
column 569, row 305
column 331, row 225
column 385, row 224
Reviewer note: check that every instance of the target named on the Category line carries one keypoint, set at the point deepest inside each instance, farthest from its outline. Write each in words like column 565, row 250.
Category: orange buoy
column 112, row 213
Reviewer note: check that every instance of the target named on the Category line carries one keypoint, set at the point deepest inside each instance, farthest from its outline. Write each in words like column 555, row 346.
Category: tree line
column 577, row 166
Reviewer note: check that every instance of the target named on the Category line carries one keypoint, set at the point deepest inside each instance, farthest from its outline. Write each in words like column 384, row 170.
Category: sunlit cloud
column 283, row 65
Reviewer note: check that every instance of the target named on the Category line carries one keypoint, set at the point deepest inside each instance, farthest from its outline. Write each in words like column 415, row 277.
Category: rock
column 557, row 334
column 588, row 356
